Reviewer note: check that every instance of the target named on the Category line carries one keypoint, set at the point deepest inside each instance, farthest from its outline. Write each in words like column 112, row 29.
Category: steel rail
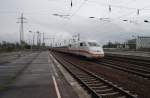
column 97, row 86
column 140, row 61
column 131, row 65
column 118, row 66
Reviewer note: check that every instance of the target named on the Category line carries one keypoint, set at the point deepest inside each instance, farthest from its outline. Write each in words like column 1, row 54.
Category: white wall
column 142, row 42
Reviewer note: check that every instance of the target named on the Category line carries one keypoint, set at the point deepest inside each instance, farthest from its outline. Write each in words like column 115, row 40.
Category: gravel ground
column 129, row 82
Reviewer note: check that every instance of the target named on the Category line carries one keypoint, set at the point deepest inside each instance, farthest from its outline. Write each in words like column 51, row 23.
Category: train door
column 82, row 48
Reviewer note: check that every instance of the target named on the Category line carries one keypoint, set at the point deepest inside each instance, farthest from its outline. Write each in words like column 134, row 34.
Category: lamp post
column 32, row 39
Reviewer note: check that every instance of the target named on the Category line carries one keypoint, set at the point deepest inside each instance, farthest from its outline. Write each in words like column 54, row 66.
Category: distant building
column 120, row 46
column 131, row 44
column 141, row 42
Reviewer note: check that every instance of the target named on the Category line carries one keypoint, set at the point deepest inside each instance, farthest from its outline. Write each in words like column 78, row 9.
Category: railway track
column 127, row 67
column 139, row 61
column 98, row 87
column 131, row 65
column 122, row 64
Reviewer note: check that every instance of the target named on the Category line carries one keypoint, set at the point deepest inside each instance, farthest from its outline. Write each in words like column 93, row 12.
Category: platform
column 34, row 76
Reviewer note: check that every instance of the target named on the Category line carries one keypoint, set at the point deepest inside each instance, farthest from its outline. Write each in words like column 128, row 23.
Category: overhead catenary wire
column 138, row 11
column 97, row 2
column 117, row 6
column 82, row 4
column 110, row 6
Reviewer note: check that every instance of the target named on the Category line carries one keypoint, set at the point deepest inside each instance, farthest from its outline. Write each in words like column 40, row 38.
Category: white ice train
column 89, row 49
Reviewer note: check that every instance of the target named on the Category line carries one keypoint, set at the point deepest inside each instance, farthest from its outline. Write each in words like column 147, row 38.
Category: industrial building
column 139, row 43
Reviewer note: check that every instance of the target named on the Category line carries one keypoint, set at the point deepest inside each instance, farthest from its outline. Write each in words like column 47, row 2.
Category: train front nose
column 97, row 52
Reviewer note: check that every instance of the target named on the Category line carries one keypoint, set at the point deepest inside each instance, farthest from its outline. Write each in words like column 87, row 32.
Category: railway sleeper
column 91, row 82
column 100, row 87
column 77, row 73
column 137, row 61
column 122, row 97
column 128, row 70
column 102, row 91
column 86, row 77
column 131, row 67
column 111, row 95
column 81, row 74
column 89, row 79
column 75, row 70
column 95, row 85
column 107, row 92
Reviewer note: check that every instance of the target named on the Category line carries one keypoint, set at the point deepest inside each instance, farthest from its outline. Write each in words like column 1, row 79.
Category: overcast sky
column 39, row 14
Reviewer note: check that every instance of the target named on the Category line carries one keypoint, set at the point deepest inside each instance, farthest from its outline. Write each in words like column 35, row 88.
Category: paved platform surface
column 130, row 53
column 39, row 79
column 10, row 56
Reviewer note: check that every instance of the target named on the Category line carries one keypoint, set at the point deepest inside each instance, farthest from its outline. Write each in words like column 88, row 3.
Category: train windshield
column 93, row 44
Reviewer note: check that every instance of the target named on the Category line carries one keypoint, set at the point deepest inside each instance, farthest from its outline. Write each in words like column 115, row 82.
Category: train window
column 70, row 45
column 93, row 44
column 82, row 44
